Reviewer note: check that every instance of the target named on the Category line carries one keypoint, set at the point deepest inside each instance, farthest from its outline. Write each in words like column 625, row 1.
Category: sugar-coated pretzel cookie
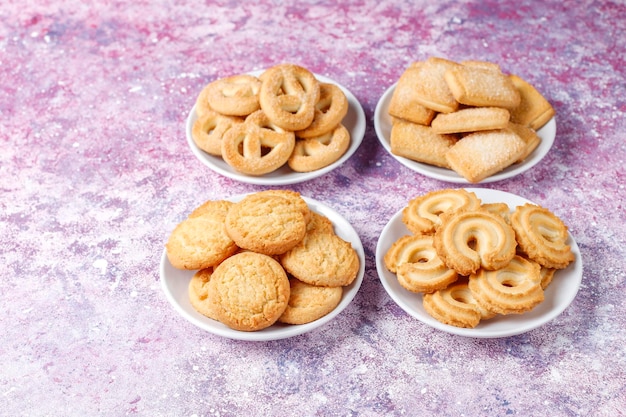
column 422, row 213
column 330, row 110
column 308, row 302
column 209, row 129
column 455, row 305
column 257, row 146
column 512, row 289
column 249, row 290
column 288, row 96
column 323, row 259
column 199, row 293
column 318, row 152
column 417, row 266
column 237, row 95
column 266, row 223
column 542, row 236
column 471, row 239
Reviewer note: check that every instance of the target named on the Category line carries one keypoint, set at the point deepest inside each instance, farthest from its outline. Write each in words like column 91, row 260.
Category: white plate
column 558, row 296
column 382, row 124
column 175, row 284
column 354, row 121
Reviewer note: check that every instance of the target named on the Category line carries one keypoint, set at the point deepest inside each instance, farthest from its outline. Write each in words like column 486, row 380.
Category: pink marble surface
column 95, row 172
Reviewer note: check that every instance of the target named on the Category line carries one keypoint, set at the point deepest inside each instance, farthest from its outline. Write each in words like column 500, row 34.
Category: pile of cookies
column 473, row 260
column 265, row 259
column 284, row 116
column 469, row 116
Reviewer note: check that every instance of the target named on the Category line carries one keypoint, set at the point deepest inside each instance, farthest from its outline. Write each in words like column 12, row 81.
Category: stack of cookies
column 472, row 260
column 265, row 259
column 469, row 117
column 284, row 116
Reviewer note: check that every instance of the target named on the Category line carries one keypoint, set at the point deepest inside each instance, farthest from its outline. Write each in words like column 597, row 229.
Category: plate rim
column 357, row 134
column 344, row 229
column 575, row 268
column 547, row 134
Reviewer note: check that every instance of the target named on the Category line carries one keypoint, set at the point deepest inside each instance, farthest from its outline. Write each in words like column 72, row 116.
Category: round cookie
column 266, row 223
column 322, row 259
column 308, row 303
column 200, row 242
column 249, row 290
column 199, row 293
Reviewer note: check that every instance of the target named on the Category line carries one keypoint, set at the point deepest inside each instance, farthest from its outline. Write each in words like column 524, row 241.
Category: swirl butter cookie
column 455, row 305
column 249, row 290
column 266, row 223
column 308, row 302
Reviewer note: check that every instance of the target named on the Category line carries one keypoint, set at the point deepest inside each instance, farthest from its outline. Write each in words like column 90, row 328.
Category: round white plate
column 558, row 296
column 175, row 283
column 382, row 124
column 354, row 121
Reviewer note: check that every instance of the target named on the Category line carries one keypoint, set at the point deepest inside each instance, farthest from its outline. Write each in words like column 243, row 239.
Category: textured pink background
column 95, row 172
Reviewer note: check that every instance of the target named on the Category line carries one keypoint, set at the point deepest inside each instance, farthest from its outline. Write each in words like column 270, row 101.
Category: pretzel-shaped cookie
column 330, row 110
column 288, row 96
column 209, row 129
column 315, row 153
column 237, row 95
column 257, row 146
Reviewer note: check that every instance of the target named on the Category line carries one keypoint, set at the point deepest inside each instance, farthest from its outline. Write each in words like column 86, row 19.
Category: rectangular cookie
column 533, row 110
column 481, row 154
column 404, row 103
column 431, row 89
column 419, row 143
column 476, row 85
column 471, row 119
column 528, row 135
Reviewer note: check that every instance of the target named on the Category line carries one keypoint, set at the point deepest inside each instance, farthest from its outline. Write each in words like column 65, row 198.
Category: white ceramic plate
column 175, row 284
column 558, row 296
column 382, row 124
column 354, row 121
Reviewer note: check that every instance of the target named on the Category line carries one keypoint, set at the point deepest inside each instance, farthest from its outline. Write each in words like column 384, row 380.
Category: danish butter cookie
column 472, row 239
column 265, row 223
column 474, row 85
column 471, row 119
column 417, row 265
column 404, row 103
column 512, row 289
column 308, row 303
column 330, row 110
column 542, row 236
column 237, row 95
column 200, row 241
column 249, row 290
column 288, row 96
column 257, row 146
column 209, row 129
column 420, row 143
column 314, row 153
column 533, row 110
column 422, row 213
column 199, row 293
column 322, row 259
column 482, row 154
column 455, row 305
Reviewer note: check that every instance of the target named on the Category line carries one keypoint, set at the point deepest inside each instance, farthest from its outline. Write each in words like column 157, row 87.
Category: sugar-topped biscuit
column 432, row 90
column 471, row 119
column 474, row 85
column 533, row 110
column 405, row 103
column 420, row 143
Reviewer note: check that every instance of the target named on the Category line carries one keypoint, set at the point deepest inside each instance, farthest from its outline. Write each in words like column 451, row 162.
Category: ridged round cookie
column 199, row 293
column 422, row 214
column 266, row 223
column 322, row 259
column 200, row 242
column 513, row 289
column 542, row 236
column 249, row 290
column 308, row 303
column 471, row 239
